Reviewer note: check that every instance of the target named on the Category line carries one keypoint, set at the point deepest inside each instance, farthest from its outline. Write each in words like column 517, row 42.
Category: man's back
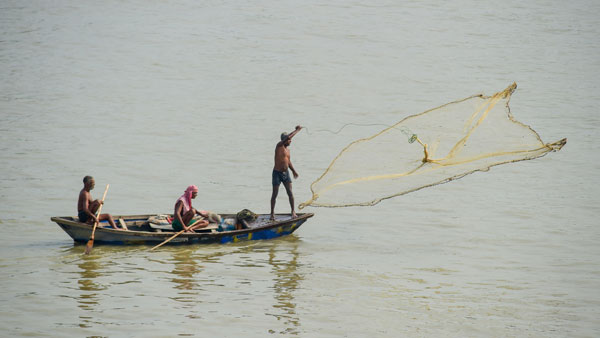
column 84, row 200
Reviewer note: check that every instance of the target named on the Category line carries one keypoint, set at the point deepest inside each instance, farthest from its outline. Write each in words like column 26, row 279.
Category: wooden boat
column 141, row 231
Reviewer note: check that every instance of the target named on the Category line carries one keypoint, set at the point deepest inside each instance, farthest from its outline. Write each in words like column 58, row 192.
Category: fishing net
column 427, row 149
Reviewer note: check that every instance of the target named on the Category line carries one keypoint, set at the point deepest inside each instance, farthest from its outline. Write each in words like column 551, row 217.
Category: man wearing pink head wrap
column 184, row 213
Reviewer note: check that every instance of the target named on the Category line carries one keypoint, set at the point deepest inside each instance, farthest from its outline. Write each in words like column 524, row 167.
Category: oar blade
column 89, row 246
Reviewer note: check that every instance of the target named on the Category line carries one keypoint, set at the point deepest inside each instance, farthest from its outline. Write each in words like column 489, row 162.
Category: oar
column 170, row 238
column 90, row 243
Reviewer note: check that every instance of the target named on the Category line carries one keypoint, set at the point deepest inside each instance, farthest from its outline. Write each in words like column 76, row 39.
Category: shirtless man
column 86, row 208
column 184, row 213
column 281, row 174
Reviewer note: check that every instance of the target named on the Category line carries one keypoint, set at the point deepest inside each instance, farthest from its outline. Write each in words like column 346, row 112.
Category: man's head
column 192, row 191
column 89, row 182
column 285, row 138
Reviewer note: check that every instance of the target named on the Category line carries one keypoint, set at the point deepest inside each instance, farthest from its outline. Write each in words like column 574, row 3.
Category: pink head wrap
column 186, row 198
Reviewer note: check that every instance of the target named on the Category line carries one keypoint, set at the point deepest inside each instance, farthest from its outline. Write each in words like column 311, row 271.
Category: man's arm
column 293, row 170
column 290, row 135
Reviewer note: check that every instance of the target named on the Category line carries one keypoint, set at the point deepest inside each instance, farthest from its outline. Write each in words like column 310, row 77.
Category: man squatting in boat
column 183, row 217
column 281, row 174
column 86, row 208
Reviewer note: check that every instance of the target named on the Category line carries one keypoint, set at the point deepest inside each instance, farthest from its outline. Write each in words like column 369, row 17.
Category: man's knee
column 94, row 206
column 200, row 223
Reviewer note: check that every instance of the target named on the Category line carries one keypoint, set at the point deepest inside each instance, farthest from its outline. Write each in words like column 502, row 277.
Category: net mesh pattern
column 427, row 149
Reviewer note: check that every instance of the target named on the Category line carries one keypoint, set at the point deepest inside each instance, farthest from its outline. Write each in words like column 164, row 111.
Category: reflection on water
column 287, row 280
column 89, row 297
column 254, row 282
column 186, row 267
column 199, row 274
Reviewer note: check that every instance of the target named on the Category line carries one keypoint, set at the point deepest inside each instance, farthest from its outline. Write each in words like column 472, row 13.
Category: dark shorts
column 83, row 216
column 281, row 177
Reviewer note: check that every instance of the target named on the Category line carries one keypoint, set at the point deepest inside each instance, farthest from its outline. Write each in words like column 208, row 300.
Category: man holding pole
column 86, row 208
column 184, row 213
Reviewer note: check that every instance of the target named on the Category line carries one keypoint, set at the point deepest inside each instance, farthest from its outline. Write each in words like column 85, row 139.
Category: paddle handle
column 168, row 239
column 90, row 243
column 100, row 209
column 103, row 197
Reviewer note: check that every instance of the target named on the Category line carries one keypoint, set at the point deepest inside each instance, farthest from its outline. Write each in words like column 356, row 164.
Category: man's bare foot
column 272, row 218
column 294, row 215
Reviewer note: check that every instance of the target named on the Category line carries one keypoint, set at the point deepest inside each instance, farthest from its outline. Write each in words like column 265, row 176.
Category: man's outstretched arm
column 290, row 135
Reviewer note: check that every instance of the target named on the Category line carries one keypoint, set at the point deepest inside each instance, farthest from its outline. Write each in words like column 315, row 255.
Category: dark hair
column 87, row 179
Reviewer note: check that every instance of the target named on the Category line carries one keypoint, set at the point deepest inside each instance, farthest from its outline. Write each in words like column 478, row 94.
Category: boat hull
column 141, row 233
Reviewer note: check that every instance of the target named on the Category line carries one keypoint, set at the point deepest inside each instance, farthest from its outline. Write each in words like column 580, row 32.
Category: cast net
column 427, row 149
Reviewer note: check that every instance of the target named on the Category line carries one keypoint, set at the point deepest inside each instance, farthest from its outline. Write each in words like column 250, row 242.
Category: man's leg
column 93, row 207
column 199, row 224
column 108, row 217
column 273, row 200
column 187, row 217
column 288, row 188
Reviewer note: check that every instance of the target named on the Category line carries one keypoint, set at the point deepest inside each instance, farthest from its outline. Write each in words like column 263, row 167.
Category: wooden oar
column 90, row 243
column 170, row 238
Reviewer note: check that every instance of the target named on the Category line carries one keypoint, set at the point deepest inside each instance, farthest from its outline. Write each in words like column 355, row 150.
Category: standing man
column 281, row 173
column 86, row 208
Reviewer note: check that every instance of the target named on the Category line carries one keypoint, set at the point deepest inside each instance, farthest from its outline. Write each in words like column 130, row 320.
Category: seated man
column 86, row 208
column 183, row 217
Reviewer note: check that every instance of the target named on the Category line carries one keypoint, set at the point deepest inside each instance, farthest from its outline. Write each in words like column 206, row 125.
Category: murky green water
column 153, row 96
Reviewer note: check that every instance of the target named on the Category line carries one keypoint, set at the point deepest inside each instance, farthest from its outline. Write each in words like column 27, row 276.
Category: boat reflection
column 202, row 275
column 209, row 282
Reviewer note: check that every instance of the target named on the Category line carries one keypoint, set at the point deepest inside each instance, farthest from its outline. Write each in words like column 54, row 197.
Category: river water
column 152, row 96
